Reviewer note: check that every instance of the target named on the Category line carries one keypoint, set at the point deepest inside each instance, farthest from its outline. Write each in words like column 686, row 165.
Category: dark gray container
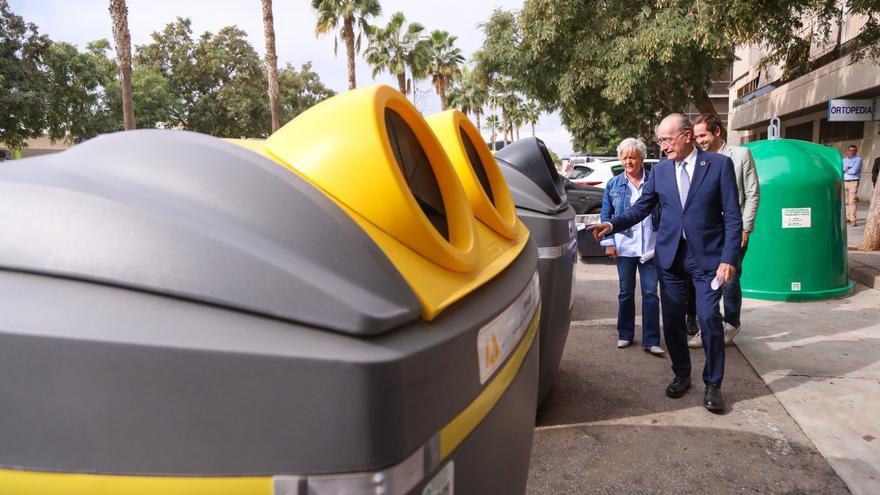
column 172, row 305
column 541, row 203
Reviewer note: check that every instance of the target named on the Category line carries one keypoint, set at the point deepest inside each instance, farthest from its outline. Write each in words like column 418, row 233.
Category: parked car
column 585, row 200
column 617, row 166
column 599, row 173
column 593, row 174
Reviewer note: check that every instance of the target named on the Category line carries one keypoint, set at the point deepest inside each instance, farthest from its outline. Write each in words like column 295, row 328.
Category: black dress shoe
column 678, row 387
column 713, row 400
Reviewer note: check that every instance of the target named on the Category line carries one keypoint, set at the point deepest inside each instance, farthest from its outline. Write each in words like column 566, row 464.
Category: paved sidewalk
column 608, row 428
column 822, row 362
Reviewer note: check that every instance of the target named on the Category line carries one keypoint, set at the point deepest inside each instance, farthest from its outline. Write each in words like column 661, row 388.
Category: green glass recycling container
column 798, row 249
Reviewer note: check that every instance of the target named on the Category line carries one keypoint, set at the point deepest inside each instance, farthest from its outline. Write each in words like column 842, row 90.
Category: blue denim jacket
column 616, row 198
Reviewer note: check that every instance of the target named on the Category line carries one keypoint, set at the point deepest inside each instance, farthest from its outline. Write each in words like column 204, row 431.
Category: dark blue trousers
column 733, row 294
column 673, row 296
column 626, row 301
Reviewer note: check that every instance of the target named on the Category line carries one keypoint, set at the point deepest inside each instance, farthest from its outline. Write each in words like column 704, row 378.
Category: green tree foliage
column 213, row 84
column 612, row 67
column 216, row 79
column 76, row 91
column 347, row 16
column 23, row 97
column 300, row 89
column 217, row 83
column 396, row 49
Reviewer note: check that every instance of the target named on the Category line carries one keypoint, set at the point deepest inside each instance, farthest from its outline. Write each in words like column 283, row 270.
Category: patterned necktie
column 684, row 183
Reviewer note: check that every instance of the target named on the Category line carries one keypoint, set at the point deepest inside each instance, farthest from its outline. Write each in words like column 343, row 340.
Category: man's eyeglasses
column 669, row 140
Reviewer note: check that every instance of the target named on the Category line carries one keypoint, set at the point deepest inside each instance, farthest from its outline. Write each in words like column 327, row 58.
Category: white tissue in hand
column 717, row 282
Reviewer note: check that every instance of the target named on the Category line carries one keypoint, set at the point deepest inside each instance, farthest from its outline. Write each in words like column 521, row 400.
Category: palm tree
column 122, row 38
column 492, row 123
column 350, row 14
column 500, row 99
column 271, row 65
column 532, row 114
column 445, row 63
column 395, row 50
column 469, row 94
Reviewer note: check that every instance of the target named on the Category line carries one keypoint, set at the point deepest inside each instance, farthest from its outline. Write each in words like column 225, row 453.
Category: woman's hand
column 611, row 252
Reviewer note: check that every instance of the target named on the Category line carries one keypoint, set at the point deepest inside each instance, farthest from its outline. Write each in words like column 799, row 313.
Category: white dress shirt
column 690, row 165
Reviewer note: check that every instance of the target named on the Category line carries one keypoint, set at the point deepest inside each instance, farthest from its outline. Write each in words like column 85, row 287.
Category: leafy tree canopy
column 612, row 67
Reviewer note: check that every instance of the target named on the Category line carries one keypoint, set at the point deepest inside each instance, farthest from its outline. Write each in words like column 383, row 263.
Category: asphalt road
column 607, row 426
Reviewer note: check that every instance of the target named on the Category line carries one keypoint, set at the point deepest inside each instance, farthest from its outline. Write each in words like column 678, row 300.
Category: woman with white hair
column 633, row 249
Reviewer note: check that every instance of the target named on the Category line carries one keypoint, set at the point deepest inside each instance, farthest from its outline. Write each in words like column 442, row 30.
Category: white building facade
column 760, row 92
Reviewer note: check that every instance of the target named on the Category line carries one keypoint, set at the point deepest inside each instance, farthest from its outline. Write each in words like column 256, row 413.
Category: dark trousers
column 733, row 297
column 673, row 294
column 626, row 301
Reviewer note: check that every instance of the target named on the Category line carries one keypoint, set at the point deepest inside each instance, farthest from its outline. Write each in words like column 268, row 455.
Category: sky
column 81, row 21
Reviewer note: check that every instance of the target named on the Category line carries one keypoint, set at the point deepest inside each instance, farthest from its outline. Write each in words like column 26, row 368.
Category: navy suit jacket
column 710, row 218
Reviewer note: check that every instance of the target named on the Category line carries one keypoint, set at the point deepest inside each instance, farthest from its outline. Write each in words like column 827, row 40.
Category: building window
column 804, row 131
column 830, row 132
column 747, row 88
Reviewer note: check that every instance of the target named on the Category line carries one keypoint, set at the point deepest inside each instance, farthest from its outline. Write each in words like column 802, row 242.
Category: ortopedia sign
column 851, row 110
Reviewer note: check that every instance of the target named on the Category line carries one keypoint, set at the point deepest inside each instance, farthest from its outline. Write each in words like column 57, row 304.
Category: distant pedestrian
column 852, row 169
column 633, row 249
column 707, row 132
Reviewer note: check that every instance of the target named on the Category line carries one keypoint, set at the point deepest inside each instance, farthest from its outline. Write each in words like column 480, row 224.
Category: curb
column 867, row 275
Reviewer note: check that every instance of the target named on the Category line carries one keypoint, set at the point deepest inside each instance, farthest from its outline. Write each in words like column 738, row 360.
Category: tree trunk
column 122, row 38
column 493, row 137
column 702, row 102
column 441, row 90
column 401, row 82
column 517, row 133
column 533, row 129
column 871, row 238
column 477, row 116
column 272, row 64
column 348, row 34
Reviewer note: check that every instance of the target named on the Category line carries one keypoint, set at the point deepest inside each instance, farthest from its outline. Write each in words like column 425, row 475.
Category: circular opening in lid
column 417, row 171
column 477, row 165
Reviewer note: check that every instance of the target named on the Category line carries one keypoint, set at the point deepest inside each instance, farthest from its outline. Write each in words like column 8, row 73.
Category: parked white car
column 599, row 173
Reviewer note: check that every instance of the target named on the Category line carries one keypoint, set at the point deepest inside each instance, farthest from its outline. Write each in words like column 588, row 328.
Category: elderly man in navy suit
column 698, row 242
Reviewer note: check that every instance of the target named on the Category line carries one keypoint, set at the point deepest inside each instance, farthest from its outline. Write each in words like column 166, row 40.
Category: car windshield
column 580, row 172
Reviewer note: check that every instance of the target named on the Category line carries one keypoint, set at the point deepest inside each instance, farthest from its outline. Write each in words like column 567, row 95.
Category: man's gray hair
column 681, row 121
column 632, row 144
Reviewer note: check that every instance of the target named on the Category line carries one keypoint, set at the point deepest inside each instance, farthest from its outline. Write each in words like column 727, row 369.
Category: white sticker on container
column 500, row 336
column 796, row 218
column 795, row 286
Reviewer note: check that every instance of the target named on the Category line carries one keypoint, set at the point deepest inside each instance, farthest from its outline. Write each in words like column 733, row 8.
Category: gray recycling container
column 180, row 315
column 541, row 204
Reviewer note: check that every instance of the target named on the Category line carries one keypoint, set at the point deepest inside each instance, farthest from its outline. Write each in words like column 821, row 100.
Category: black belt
column 850, row 180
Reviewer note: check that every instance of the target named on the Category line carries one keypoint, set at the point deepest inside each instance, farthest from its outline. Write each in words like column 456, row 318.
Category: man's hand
column 745, row 241
column 726, row 272
column 600, row 229
column 611, row 252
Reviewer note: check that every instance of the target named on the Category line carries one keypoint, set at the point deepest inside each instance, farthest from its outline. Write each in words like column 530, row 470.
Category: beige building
column 35, row 147
column 759, row 93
